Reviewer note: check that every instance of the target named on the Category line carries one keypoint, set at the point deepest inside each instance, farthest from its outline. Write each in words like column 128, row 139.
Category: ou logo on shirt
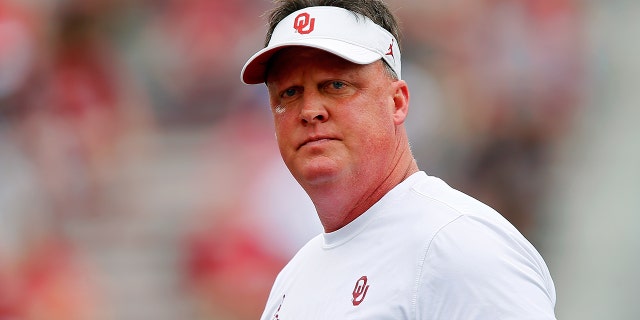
column 360, row 291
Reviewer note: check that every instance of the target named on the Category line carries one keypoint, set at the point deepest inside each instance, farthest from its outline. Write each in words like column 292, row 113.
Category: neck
column 343, row 201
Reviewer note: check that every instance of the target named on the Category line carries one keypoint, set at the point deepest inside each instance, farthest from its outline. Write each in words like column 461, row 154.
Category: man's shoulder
column 430, row 189
column 430, row 201
column 455, row 214
column 432, row 213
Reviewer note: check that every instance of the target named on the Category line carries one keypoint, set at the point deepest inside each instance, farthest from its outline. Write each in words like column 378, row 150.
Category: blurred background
column 140, row 179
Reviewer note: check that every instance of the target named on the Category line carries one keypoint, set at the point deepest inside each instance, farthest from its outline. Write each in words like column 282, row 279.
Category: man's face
column 334, row 119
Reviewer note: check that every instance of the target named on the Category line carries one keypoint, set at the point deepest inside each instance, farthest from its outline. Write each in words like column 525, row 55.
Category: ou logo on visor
column 304, row 23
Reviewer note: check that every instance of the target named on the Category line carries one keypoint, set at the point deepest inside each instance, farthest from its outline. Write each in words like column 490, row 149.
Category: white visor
column 344, row 33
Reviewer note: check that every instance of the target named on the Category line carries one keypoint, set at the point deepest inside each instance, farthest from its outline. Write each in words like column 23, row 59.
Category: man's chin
column 315, row 173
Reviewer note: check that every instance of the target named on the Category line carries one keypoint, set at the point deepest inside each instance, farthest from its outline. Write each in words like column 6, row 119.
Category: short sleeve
column 474, row 269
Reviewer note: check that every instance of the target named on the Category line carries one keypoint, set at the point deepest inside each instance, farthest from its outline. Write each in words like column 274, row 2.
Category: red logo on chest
column 304, row 24
column 360, row 291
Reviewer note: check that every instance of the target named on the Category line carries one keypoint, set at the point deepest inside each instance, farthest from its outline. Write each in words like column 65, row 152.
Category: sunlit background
column 139, row 178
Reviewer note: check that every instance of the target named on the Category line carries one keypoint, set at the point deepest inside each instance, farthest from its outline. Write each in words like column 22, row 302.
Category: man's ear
column 401, row 101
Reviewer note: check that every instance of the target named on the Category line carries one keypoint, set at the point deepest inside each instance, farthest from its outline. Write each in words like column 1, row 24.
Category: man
column 398, row 244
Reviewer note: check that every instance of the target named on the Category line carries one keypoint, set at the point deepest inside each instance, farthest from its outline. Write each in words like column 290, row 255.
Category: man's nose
column 313, row 111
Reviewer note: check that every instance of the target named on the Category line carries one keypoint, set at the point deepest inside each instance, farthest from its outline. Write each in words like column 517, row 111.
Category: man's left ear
column 401, row 101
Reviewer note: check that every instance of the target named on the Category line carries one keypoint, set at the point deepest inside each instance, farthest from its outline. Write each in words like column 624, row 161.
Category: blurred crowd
column 132, row 156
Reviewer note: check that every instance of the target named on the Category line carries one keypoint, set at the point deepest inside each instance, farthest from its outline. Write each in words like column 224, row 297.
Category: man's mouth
column 315, row 140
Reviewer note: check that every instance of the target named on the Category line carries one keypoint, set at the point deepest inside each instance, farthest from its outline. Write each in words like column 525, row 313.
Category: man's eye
column 289, row 93
column 337, row 84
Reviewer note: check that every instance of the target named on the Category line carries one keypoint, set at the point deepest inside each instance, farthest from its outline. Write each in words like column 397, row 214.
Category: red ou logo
column 360, row 291
column 304, row 23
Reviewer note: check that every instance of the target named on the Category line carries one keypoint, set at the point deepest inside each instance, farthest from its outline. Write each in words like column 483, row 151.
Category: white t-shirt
column 424, row 251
